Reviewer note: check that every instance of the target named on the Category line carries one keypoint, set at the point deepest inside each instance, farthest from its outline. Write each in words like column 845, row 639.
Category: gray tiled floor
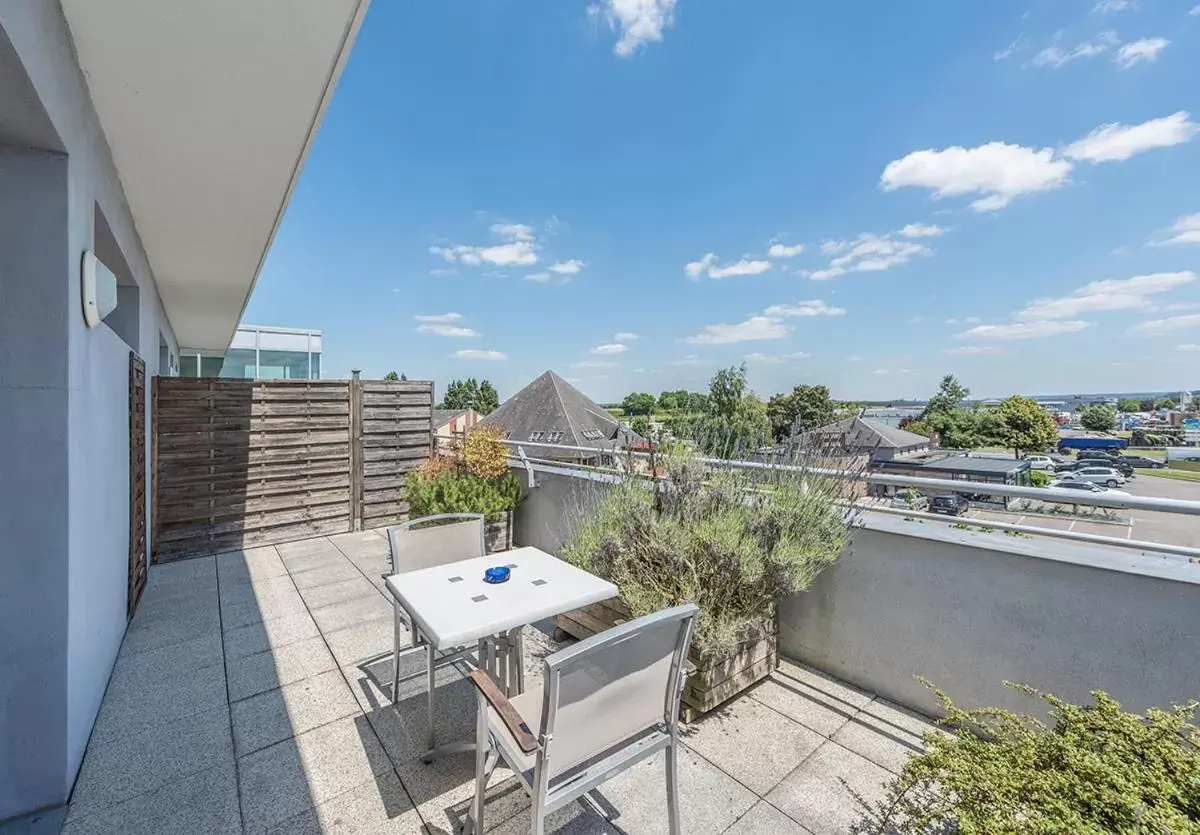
column 246, row 698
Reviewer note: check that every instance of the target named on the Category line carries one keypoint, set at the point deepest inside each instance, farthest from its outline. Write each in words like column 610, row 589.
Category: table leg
column 517, row 660
column 502, row 653
column 431, row 680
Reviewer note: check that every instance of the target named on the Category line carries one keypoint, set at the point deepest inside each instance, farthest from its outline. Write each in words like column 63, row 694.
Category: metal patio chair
column 423, row 543
column 605, row 704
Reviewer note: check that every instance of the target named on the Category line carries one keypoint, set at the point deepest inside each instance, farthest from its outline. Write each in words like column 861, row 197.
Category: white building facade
column 260, row 353
column 164, row 138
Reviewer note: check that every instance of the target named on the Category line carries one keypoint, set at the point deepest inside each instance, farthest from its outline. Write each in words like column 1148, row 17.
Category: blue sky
column 866, row 195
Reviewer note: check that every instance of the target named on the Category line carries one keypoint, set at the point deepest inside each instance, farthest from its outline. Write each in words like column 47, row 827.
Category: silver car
column 1096, row 475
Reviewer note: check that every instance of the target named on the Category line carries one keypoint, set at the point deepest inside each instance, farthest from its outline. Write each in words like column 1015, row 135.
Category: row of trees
column 1018, row 423
column 1128, row 404
column 669, row 402
column 470, row 393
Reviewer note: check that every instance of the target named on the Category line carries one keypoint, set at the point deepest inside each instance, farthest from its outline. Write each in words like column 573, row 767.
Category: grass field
column 1178, row 475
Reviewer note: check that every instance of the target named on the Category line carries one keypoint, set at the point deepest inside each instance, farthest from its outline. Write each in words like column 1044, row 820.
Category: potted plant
column 472, row 478
column 731, row 540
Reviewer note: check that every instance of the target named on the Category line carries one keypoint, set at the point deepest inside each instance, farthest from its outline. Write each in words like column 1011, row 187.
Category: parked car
column 910, row 500
column 1086, row 487
column 1040, row 462
column 1119, row 464
column 951, row 504
column 1141, row 462
column 1097, row 475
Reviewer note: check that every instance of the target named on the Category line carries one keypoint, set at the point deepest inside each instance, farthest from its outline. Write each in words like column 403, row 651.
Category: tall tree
column 735, row 424
column 391, row 376
column 1098, row 419
column 807, row 407
column 950, row 395
column 489, row 398
column 1027, row 426
column 1146, row 405
column 639, row 403
column 1127, row 404
column 726, row 390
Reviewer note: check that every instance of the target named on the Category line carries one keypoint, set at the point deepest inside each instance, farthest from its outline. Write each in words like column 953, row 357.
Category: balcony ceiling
column 209, row 109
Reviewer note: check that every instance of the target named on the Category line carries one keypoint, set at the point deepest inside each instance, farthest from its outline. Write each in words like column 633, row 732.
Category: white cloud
column 440, row 317
column 1183, row 306
column 447, row 330
column 975, row 351
column 815, row 307
column 775, row 359
column 515, row 254
column 1022, row 330
column 1009, row 50
column 1185, row 230
column 869, row 253
column 1194, row 11
column 785, row 251
column 1189, row 346
column 891, row 371
column 1116, row 142
column 707, row 265
column 998, row 171
column 625, row 336
column 443, row 271
column 1110, row 6
column 1110, row 294
column 516, row 231
column 477, row 354
column 966, row 320
column 567, row 267
column 612, row 348
column 1145, row 50
column 540, row 278
column 690, row 359
column 922, row 230
column 1156, row 327
column 752, row 329
column 1055, row 56
column 639, row 21
column 595, row 364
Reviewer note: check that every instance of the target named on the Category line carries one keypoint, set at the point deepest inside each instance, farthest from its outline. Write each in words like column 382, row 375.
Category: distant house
column 450, row 422
column 864, row 436
column 552, row 411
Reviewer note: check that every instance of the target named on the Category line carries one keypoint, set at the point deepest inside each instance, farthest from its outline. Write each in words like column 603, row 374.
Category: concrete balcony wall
column 967, row 610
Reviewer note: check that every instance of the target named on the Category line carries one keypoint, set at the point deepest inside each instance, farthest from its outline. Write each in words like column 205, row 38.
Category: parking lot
column 1170, row 528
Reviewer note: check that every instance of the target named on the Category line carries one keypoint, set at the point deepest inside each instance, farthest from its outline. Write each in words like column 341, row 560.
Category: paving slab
column 322, row 596
column 168, row 661
column 379, row 805
column 269, row 634
column 816, row 701
column 198, row 804
column 752, row 743
column 352, row 612
column 290, row 777
column 885, row 733
column 365, row 640
column 168, row 630
column 337, row 572
column 137, row 703
column 118, row 769
column 239, row 567
column 251, row 674
column 818, row 794
column 765, row 819
column 276, row 715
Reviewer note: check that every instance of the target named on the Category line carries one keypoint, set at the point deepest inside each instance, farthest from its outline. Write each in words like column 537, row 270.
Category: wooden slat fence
column 241, row 463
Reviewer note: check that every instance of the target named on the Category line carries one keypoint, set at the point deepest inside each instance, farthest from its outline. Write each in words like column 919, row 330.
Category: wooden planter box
column 498, row 535
column 714, row 680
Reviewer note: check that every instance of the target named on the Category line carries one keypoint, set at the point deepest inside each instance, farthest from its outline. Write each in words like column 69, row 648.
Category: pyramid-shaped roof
column 551, row 410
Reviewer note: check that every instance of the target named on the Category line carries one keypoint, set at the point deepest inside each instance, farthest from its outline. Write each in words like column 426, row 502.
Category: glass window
column 211, row 366
column 189, row 365
column 239, row 363
column 316, row 365
column 283, row 365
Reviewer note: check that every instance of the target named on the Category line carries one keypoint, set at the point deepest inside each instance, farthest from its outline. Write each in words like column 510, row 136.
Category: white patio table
column 453, row 606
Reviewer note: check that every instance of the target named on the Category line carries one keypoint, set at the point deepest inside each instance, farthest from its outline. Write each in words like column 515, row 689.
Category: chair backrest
column 614, row 686
column 435, row 540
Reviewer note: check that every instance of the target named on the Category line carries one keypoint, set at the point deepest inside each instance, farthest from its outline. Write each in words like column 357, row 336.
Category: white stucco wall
column 94, row 569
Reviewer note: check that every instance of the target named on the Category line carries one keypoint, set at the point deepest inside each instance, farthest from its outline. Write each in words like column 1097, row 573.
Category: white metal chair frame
column 505, row 651
column 515, row 737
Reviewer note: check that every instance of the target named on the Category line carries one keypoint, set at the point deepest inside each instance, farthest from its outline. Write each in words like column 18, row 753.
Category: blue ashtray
column 499, row 574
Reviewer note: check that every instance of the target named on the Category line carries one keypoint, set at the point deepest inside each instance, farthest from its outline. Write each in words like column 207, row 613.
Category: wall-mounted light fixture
column 98, row 289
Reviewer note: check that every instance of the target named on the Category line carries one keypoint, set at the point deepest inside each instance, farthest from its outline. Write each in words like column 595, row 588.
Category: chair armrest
column 504, row 709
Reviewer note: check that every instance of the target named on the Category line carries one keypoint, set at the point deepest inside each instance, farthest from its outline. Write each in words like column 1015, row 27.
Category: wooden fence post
column 356, row 451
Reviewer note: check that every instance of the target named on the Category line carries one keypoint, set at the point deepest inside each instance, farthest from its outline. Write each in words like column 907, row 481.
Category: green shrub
column 450, row 491
column 1094, row 770
column 731, row 543
column 1038, row 478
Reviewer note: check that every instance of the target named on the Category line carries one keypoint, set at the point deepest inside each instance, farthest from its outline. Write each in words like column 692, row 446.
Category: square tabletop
column 453, row 606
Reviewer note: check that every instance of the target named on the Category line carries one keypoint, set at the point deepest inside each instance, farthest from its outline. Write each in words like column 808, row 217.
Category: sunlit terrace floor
column 245, row 699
